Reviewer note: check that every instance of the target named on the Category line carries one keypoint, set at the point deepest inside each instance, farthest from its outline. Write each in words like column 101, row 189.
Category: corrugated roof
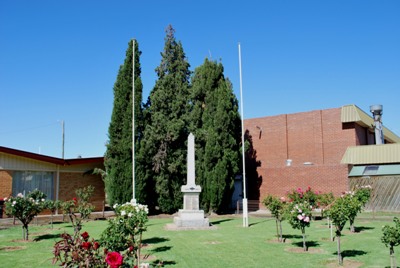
column 372, row 154
column 351, row 113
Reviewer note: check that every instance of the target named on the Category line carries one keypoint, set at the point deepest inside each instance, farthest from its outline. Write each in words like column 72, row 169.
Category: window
column 370, row 170
column 27, row 181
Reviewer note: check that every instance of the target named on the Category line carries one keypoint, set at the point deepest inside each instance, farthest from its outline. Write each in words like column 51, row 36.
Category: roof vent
column 376, row 111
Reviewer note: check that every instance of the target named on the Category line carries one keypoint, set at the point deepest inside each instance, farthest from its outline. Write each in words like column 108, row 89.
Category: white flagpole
column 133, row 119
column 245, row 210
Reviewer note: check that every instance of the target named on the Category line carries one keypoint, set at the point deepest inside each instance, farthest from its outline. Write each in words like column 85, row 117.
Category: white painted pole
column 133, row 119
column 245, row 211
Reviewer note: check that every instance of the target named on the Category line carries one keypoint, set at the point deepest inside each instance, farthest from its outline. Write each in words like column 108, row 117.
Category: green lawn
column 230, row 245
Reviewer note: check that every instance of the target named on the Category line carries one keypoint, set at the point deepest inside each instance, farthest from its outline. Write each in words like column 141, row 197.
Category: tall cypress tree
column 166, row 132
column 118, row 157
column 216, row 123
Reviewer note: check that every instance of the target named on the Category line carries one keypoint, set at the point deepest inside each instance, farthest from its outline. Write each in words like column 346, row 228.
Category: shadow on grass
column 291, row 237
column 160, row 263
column 362, row 228
column 161, row 249
column 154, row 240
column 309, row 244
column 352, row 253
column 46, row 236
column 255, row 223
column 220, row 221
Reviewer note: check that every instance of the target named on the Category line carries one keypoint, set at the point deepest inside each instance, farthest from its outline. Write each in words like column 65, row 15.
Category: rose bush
column 25, row 208
column 119, row 245
column 299, row 217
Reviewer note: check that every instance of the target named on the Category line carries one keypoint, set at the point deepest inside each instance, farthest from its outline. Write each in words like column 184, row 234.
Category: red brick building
column 305, row 149
column 58, row 178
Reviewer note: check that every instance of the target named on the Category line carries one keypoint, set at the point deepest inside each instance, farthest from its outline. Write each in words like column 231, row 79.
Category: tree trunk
column 277, row 230
column 280, row 228
column 352, row 228
column 303, row 231
column 340, row 258
column 392, row 258
column 25, row 231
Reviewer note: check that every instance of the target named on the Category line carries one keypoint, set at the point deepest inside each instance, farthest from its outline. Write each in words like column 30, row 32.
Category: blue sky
column 59, row 60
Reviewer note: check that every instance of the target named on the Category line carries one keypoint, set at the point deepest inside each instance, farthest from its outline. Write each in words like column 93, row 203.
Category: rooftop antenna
column 376, row 111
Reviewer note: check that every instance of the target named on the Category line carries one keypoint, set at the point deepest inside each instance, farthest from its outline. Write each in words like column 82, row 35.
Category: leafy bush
column 25, row 208
column 120, row 242
column 299, row 216
column 277, row 207
column 79, row 205
column 391, row 239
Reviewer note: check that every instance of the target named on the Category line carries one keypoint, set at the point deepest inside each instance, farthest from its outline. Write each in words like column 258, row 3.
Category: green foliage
column 300, row 196
column 79, row 205
column 215, row 122
column 119, row 245
column 391, row 234
column 391, row 239
column 78, row 251
column 162, row 153
column 126, row 228
column 299, row 215
column 25, row 208
column 325, row 199
column 277, row 206
column 363, row 194
column 118, row 157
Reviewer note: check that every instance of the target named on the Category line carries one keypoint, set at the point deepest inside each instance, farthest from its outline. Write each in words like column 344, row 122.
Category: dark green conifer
column 118, row 157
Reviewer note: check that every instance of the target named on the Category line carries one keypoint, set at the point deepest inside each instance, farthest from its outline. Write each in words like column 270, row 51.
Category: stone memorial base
column 191, row 218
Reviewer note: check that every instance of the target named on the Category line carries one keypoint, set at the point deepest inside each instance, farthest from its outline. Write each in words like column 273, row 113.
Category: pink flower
column 114, row 259
column 300, row 217
column 306, row 219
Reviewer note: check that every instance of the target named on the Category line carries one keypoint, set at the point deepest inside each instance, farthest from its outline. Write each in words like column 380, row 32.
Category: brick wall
column 316, row 137
column 5, row 183
column 71, row 181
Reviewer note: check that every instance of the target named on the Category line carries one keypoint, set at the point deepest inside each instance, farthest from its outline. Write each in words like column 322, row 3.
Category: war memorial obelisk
column 191, row 217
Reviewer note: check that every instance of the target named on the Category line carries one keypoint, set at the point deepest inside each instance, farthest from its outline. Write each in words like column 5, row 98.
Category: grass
column 230, row 245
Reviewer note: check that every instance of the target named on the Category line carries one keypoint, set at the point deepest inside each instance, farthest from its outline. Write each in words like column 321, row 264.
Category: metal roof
column 351, row 113
column 372, row 154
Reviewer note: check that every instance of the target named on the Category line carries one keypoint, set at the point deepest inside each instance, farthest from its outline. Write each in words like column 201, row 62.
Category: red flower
column 114, row 259
column 75, row 201
column 96, row 245
column 85, row 236
column 131, row 248
column 86, row 245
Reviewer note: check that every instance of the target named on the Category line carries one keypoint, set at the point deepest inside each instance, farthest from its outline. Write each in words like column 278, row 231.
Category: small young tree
column 338, row 213
column 360, row 196
column 391, row 238
column 277, row 207
column 299, row 216
column 52, row 206
column 25, row 208
column 79, row 205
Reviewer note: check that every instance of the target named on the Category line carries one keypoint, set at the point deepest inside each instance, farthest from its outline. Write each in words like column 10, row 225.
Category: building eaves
column 351, row 113
column 372, row 154
column 50, row 159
